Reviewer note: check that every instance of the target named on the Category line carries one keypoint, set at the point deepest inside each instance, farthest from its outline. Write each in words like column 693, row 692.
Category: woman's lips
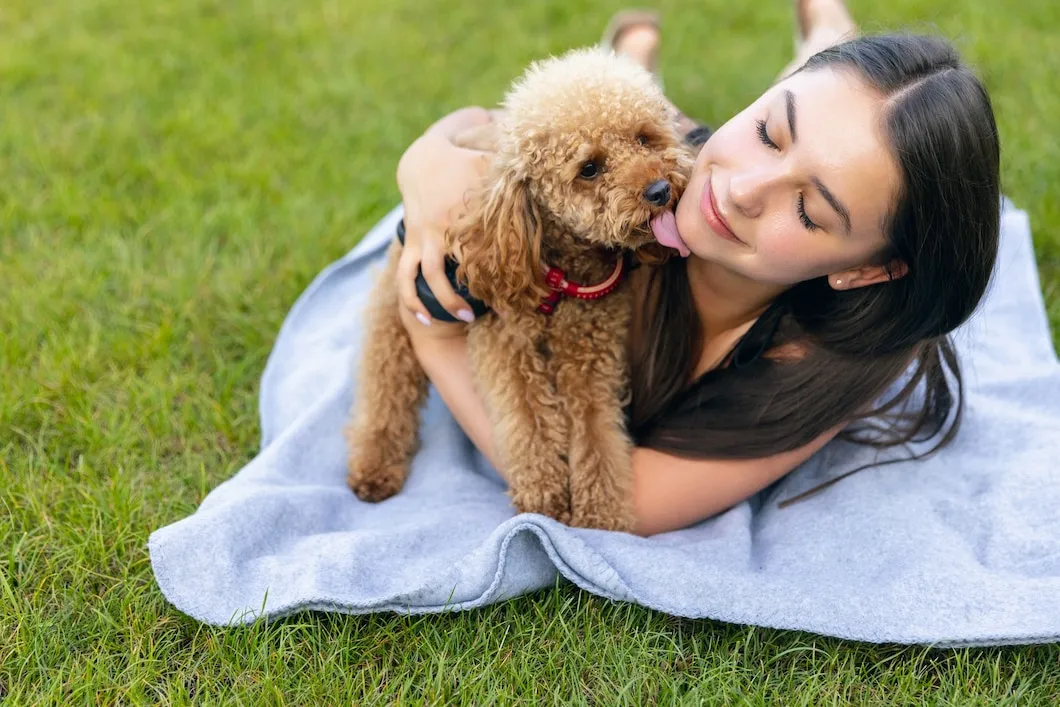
column 709, row 207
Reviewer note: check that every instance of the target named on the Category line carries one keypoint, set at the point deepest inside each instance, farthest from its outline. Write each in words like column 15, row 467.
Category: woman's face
column 798, row 185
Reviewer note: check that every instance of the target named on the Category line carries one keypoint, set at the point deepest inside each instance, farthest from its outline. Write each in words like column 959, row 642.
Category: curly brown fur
column 383, row 432
column 554, row 385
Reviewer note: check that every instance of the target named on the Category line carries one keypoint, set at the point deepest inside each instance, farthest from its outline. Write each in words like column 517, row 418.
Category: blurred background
column 173, row 173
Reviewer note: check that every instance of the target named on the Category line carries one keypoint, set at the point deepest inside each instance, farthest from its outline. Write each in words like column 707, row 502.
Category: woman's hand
column 423, row 335
column 434, row 177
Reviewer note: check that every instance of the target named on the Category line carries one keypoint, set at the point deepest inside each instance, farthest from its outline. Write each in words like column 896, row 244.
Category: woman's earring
column 838, row 283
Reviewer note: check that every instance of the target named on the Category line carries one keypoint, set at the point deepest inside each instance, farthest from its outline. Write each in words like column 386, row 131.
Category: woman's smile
column 708, row 204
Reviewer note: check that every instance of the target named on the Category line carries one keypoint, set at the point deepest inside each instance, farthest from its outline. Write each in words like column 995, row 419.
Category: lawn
column 173, row 175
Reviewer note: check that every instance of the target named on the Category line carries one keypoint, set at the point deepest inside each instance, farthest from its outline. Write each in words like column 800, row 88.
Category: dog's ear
column 499, row 242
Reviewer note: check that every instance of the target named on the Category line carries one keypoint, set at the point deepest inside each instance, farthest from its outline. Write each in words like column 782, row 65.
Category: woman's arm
column 441, row 349
column 668, row 492
column 671, row 493
column 434, row 176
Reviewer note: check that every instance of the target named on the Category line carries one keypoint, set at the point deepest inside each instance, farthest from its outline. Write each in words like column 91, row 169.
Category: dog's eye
column 589, row 170
column 642, row 139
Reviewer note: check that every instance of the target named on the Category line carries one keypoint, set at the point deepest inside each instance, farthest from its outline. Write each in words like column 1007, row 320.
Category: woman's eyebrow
column 834, row 202
column 789, row 99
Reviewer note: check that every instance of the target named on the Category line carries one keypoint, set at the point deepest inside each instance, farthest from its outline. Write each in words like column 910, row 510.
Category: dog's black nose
column 658, row 193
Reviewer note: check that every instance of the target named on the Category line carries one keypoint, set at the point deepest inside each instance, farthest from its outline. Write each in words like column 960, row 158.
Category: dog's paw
column 615, row 517
column 374, row 483
column 376, row 487
column 551, row 503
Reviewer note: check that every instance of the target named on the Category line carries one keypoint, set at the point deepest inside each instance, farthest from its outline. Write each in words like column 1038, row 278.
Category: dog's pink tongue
column 664, row 226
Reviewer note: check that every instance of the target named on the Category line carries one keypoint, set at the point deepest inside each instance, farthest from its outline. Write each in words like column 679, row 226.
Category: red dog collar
column 557, row 281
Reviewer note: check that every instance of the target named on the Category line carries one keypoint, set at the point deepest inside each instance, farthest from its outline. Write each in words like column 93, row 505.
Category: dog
column 587, row 155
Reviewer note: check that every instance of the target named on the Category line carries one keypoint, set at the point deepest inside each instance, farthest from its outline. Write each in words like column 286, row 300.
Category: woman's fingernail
column 465, row 315
column 423, row 319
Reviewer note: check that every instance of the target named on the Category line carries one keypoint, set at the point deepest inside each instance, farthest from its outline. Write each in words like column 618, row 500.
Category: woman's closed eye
column 810, row 225
column 763, row 135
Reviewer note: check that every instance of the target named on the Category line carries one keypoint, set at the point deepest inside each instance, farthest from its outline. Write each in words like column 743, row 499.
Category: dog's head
column 587, row 149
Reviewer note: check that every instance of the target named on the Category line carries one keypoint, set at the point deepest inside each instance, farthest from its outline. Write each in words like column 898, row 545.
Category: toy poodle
column 588, row 161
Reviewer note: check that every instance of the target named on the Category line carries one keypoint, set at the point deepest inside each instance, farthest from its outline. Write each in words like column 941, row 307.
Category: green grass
column 173, row 175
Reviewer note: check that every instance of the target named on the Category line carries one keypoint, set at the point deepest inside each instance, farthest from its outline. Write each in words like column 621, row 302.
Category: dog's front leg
column 529, row 428
column 589, row 347
column 383, row 433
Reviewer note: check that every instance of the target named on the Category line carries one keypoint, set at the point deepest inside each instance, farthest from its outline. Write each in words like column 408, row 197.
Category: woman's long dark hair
column 854, row 344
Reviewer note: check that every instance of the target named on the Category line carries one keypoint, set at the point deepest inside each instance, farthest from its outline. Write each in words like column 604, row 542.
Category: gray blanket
column 961, row 549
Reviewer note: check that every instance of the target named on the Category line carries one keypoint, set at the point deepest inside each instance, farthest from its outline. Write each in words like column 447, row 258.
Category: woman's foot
column 819, row 24
column 635, row 33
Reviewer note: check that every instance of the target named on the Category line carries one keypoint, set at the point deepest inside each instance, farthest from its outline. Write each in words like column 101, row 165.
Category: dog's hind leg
column 383, row 432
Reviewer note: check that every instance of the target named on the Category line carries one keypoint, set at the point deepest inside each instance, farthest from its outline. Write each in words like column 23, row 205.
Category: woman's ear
column 499, row 240
column 868, row 275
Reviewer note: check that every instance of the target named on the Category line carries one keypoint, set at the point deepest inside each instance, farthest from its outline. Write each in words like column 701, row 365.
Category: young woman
column 836, row 231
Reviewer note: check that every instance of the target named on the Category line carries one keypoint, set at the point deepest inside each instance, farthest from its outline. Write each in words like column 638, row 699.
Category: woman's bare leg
column 640, row 42
column 821, row 24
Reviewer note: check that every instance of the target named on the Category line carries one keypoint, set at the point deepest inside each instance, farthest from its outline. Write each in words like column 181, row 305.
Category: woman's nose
column 748, row 189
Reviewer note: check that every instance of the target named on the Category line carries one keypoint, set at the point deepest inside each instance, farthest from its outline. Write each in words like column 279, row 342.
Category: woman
column 836, row 231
